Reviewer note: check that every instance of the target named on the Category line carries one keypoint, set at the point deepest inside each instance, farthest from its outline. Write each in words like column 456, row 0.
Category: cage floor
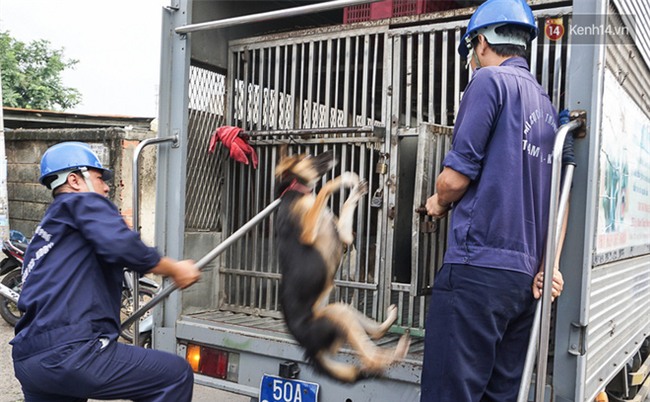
column 276, row 328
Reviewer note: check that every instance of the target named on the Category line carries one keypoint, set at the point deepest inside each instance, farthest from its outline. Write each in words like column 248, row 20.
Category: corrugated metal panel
column 636, row 14
column 619, row 311
column 628, row 62
column 619, row 299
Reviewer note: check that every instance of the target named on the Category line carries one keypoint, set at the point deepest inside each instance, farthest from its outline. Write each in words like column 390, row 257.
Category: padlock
column 377, row 199
column 382, row 166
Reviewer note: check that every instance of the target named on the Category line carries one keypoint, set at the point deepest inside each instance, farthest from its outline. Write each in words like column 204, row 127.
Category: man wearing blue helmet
column 66, row 346
column 495, row 185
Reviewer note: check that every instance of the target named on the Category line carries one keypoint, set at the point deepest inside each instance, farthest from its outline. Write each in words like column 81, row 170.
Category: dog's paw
column 402, row 346
column 349, row 179
column 361, row 188
column 391, row 313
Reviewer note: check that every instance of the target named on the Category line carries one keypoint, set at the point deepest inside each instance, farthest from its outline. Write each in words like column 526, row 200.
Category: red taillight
column 213, row 362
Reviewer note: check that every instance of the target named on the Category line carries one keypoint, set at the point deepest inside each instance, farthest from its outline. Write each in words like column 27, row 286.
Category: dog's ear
column 284, row 165
column 284, row 162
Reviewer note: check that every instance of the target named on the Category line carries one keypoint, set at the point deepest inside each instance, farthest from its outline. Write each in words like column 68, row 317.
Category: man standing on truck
column 66, row 346
column 496, row 183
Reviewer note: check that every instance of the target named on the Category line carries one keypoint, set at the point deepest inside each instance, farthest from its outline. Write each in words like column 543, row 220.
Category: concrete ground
column 10, row 387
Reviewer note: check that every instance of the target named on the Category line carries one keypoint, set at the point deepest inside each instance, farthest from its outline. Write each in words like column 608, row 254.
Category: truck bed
column 267, row 336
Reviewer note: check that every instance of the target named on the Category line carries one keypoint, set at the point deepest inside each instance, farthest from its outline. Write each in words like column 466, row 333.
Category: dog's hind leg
column 373, row 358
column 346, row 216
column 311, row 220
column 373, row 328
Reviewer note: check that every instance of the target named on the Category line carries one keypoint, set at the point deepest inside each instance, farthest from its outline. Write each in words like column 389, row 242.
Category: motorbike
column 11, row 267
column 147, row 290
column 14, row 250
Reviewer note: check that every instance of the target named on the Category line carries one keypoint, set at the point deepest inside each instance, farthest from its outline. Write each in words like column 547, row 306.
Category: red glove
column 237, row 144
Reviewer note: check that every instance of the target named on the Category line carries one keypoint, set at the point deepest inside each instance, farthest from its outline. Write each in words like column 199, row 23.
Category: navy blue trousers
column 79, row 371
column 477, row 333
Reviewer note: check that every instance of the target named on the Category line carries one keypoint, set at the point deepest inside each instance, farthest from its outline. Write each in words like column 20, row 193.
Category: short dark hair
column 509, row 50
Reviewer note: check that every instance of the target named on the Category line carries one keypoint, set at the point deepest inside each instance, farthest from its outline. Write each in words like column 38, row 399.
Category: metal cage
column 384, row 101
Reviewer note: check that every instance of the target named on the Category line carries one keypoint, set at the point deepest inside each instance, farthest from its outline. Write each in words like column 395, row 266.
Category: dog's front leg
column 346, row 216
column 311, row 220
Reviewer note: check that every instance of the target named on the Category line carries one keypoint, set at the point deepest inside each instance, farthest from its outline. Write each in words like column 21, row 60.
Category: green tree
column 31, row 75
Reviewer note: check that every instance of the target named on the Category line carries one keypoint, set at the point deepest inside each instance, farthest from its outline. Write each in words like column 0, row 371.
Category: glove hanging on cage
column 232, row 138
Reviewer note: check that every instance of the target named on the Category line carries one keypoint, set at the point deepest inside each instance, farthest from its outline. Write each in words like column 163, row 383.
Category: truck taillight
column 213, row 362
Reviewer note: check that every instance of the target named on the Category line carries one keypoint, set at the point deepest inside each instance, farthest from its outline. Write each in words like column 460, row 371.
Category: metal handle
column 223, row 246
column 136, row 218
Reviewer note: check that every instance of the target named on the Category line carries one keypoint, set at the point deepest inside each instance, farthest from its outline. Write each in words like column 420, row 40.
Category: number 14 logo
column 554, row 28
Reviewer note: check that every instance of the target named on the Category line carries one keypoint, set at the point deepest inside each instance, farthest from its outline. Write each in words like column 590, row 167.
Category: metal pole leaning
column 549, row 260
column 531, row 352
column 557, row 210
column 223, row 246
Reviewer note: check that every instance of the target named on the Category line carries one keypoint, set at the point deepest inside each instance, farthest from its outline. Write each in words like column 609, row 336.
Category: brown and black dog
column 310, row 243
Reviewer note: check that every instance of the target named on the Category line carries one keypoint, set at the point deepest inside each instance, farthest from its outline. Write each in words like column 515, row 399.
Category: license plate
column 278, row 389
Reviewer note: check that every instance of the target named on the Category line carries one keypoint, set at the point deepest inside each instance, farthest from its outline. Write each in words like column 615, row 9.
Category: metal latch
column 581, row 115
column 426, row 226
column 577, row 343
column 429, row 226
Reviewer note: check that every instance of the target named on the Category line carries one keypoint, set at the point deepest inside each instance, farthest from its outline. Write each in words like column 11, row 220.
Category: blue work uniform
column 481, row 307
column 66, row 341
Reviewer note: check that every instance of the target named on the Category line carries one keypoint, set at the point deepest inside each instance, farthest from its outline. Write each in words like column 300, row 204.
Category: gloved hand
column 239, row 147
column 568, row 156
column 564, row 116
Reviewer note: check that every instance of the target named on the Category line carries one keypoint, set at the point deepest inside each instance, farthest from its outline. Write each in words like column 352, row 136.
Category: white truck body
column 383, row 95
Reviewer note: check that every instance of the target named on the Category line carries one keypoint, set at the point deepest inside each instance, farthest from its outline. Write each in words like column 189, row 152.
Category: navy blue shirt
column 72, row 275
column 503, row 141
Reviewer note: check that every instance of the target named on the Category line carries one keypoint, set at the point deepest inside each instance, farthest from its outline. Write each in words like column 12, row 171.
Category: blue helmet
column 494, row 13
column 62, row 159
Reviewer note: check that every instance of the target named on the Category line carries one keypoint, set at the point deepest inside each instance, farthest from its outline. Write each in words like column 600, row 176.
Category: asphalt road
column 10, row 387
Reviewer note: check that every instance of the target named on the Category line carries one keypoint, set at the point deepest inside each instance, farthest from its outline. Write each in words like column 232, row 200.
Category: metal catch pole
column 541, row 324
column 531, row 352
column 223, row 246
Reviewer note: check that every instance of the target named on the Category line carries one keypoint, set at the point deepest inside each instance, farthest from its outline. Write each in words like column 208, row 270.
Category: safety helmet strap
column 87, row 179
column 62, row 177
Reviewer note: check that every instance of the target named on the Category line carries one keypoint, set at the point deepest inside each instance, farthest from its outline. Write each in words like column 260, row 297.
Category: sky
column 116, row 42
